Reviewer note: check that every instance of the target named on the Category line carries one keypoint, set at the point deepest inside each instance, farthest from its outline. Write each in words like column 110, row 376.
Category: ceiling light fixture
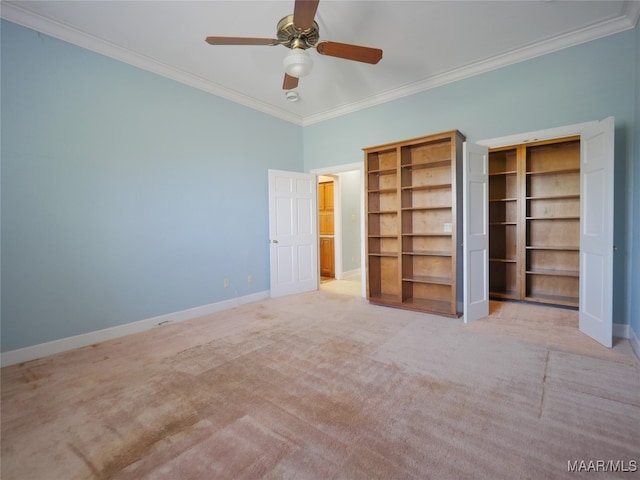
column 292, row 96
column 298, row 63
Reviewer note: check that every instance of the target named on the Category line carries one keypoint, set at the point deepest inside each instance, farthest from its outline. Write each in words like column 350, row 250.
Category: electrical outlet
column 226, row 283
column 250, row 278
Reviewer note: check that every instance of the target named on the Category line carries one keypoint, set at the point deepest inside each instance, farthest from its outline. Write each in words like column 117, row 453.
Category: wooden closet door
column 327, row 257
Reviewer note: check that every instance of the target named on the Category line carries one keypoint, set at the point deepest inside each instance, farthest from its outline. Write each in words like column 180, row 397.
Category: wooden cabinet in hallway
column 326, row 228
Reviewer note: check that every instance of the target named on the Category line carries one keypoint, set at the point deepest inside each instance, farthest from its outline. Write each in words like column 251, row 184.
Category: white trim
column 337, row 226
column 348, row 167
column 78, row 341
column 16, row 14
column 633, row 338
column 625, row 22
column 621, row 330
column 535, row 136
column 357, row 272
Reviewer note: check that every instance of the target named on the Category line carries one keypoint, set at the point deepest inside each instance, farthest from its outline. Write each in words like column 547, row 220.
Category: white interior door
column 293, row 236
column 475, row 216
column 596, row 231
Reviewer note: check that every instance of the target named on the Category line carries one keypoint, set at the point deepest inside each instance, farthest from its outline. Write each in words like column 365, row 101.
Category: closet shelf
column 425, row 187
column 570, row 248
column 413, row 166
column 434, row 253
column 559, row 273
column 384, row 254
column 384, row 171
column 554, row 197
column 510, row 199
column 430, row 207
column 554, row 171
column 428, row 279
column 558, row 217
column 382, row 190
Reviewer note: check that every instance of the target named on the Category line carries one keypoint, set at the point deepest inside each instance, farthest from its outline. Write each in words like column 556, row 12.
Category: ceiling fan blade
column 289, row 82
column 241, row 41
column 350, row 52
column 304, row 11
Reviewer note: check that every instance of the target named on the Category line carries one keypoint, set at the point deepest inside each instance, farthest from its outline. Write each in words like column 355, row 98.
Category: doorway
column 348, row 226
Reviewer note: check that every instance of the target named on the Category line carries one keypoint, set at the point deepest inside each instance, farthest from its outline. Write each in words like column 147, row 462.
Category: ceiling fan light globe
column 298, row 63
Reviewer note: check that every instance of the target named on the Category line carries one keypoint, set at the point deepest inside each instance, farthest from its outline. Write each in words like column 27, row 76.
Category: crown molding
column 25, row 18
column 584, row 35
column 61, row 31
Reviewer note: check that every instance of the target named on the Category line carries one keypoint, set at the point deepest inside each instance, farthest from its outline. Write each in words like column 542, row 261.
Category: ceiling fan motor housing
column 292, row 37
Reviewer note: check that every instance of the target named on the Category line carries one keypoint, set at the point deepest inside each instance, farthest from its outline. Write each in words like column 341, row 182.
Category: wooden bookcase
column 534, row 222
column 412, row 223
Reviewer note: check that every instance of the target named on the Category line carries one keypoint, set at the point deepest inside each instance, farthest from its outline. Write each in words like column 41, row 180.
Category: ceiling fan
column 299, row 32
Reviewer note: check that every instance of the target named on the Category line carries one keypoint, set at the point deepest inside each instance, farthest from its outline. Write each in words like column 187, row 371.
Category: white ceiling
column 425, row 43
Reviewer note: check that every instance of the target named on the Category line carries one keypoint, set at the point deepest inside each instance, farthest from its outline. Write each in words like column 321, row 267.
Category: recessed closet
column 550, row 221
column 534, row 222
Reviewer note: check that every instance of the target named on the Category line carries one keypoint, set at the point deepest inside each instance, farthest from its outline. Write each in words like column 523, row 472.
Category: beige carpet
column 326, row 386
column 346, row 286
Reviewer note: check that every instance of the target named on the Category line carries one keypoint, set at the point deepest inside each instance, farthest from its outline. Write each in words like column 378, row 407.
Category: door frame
column 334, row 172
column 538, row 135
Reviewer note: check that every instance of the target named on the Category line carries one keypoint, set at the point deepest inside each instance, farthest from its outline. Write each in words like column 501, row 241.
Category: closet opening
column 534, row 222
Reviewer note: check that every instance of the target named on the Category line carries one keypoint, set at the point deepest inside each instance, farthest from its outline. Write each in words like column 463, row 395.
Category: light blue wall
column 350, row 189
column 635, row 213
column 125, row 195
column 584, row 83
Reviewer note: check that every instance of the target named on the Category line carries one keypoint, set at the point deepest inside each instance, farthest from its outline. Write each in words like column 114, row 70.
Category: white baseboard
column 625, row 331
column 33, row 352
column 350, row 273
column 635, row 342
column 69, row 343
column 621, row 330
